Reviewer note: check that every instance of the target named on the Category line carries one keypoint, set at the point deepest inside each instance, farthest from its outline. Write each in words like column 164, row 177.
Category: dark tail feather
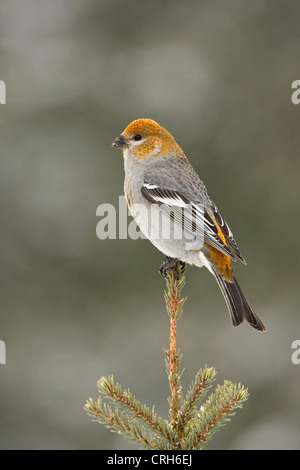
column 238, row 306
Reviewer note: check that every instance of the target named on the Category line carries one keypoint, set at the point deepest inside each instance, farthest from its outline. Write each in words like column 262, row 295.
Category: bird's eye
column 137, row 137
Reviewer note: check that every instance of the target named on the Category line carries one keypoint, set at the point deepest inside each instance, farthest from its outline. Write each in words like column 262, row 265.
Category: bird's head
column 144, row 138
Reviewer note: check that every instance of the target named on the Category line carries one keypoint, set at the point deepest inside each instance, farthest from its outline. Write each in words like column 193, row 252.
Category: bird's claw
column 171, row 263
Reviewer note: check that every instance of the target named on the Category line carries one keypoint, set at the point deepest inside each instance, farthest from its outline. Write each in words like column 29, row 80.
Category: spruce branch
column 131, row 405
column 220, row 406
column 191, row 424
column 197, row 391
column 119, row 422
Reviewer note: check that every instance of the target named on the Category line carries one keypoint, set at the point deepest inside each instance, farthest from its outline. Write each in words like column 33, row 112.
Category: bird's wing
column 203, row 222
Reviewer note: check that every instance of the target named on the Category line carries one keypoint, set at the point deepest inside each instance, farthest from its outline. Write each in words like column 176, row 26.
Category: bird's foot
column 171, row 263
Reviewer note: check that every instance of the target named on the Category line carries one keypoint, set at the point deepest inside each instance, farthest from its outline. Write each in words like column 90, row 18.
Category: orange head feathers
column 145, row 138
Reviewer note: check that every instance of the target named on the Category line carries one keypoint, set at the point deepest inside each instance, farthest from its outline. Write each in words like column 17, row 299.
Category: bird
column 173, row 209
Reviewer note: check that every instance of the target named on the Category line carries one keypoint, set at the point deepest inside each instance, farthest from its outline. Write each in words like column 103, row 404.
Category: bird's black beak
column 119, row 142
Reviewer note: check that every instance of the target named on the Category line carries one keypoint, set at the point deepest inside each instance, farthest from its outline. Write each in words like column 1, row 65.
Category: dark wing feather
column 227, row 234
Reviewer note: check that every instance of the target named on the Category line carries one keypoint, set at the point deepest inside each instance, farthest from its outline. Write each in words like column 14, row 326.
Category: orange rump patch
column 220, row 260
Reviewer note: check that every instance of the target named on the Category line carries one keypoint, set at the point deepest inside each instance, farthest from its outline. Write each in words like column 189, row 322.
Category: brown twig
column 175, row 283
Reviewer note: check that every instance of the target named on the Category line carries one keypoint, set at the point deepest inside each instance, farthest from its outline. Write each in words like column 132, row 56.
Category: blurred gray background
column 218, row 76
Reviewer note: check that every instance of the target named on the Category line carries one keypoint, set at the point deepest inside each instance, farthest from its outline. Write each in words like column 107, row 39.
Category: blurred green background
column 218, row 76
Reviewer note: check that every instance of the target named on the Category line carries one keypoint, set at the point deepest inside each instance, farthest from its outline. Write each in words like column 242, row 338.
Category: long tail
column 237, row 304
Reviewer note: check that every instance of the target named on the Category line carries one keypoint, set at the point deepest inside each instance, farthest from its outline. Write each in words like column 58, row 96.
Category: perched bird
column 166, row 197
